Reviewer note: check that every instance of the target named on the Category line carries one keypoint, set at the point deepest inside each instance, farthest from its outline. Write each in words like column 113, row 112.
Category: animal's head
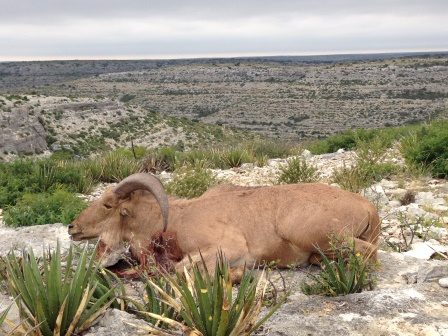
column 106, row 218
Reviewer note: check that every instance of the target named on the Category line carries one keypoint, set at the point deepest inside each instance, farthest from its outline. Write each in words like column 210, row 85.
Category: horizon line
column 216, row 55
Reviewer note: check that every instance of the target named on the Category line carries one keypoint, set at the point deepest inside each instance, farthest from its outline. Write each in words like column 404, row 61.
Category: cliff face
column 21, row 131
column 34, row 124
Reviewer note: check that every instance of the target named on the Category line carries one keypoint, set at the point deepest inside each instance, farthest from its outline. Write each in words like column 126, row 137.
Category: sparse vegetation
column 349, row 273
column 192, row 181
column 411, row 227
column 298, row 170
column 368, row 166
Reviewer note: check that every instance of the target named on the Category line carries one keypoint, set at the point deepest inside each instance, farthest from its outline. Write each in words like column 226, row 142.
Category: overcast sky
column 118, row 29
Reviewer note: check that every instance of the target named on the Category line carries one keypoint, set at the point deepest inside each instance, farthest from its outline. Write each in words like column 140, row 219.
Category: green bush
column 428, row 146
column 192, row 181
column 16, row 178
column 350, row 139
column 46, row 208
column 298, row 170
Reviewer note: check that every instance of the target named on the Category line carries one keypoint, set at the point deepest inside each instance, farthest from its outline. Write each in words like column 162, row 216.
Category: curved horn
column 143, row 181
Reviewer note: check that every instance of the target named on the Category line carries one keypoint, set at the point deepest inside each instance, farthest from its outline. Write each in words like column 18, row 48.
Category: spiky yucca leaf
column 350, row 272
column 207, row 305
column 57, row 300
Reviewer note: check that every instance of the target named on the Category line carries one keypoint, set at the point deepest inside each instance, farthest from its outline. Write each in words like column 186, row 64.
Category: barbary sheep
column 249, row 225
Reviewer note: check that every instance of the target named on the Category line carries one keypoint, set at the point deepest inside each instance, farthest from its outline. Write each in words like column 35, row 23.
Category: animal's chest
column 165, row 247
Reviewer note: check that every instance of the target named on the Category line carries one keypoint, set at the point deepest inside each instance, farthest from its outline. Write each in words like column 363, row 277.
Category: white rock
column 398, row 192
column 414, row 210
column 349, row 317
column 394, row 204
column 443, row 282
column 424, row 250
column 438, row 207
column 247, row 166
column 394, row 240
column 376, row 195
column 389, row 184
column 306, row 153
column 427, row 198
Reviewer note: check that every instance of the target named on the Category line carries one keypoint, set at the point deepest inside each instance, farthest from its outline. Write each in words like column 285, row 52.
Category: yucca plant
column 207, row 306
column 153, row 301
column 234, row 157
column 350, row 272
column 3, row 317
column 55, row 299
column 46, row 177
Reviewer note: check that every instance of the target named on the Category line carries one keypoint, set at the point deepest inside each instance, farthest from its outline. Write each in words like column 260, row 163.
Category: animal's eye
column 107, row 206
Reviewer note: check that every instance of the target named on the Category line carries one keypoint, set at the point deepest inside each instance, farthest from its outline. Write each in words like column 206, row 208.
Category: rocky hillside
column 34, row 124
column 286, row 98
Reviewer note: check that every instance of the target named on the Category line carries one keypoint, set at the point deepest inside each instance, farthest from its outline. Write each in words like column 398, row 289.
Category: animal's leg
column 367, row 249
column 210, row 257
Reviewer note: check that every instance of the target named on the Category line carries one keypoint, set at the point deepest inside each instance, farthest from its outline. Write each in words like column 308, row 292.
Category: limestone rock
column 443, row 282
column 424, row 250
column 115, row 323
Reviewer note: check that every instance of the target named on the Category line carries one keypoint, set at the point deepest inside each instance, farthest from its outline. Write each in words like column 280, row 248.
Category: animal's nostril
column 70, row 226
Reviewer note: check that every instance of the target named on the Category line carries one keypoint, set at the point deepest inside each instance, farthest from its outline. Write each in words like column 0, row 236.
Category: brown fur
column 250, row 225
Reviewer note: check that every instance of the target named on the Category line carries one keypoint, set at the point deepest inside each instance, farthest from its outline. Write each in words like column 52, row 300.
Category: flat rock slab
column 400, row 305
column 37, row 237
column 407, row 300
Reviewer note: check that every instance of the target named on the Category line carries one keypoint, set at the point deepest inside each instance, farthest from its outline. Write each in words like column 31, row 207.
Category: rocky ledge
column 411, row 295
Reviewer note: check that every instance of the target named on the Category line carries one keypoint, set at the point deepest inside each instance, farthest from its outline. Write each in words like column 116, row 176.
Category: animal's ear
column 124, row 212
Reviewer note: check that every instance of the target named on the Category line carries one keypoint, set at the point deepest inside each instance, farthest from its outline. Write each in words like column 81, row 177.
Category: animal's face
column 101, row 217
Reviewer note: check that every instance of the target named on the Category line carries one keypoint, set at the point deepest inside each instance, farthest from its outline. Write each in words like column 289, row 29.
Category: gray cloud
column 147, row 28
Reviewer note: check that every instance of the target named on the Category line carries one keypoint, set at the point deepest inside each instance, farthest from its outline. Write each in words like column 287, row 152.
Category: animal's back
column 303, row 214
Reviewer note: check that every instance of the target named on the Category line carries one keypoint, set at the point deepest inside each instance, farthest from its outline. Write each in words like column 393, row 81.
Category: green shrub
column 428, row 146
column 56, row 297
column 63, row 155
column 367, row 168
column 137, row 152
column 350, row 272
column 350, row 139
column 272, row 149
column 190, row 182
column 298, row 170
column 16, row 178
column 35, row 209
